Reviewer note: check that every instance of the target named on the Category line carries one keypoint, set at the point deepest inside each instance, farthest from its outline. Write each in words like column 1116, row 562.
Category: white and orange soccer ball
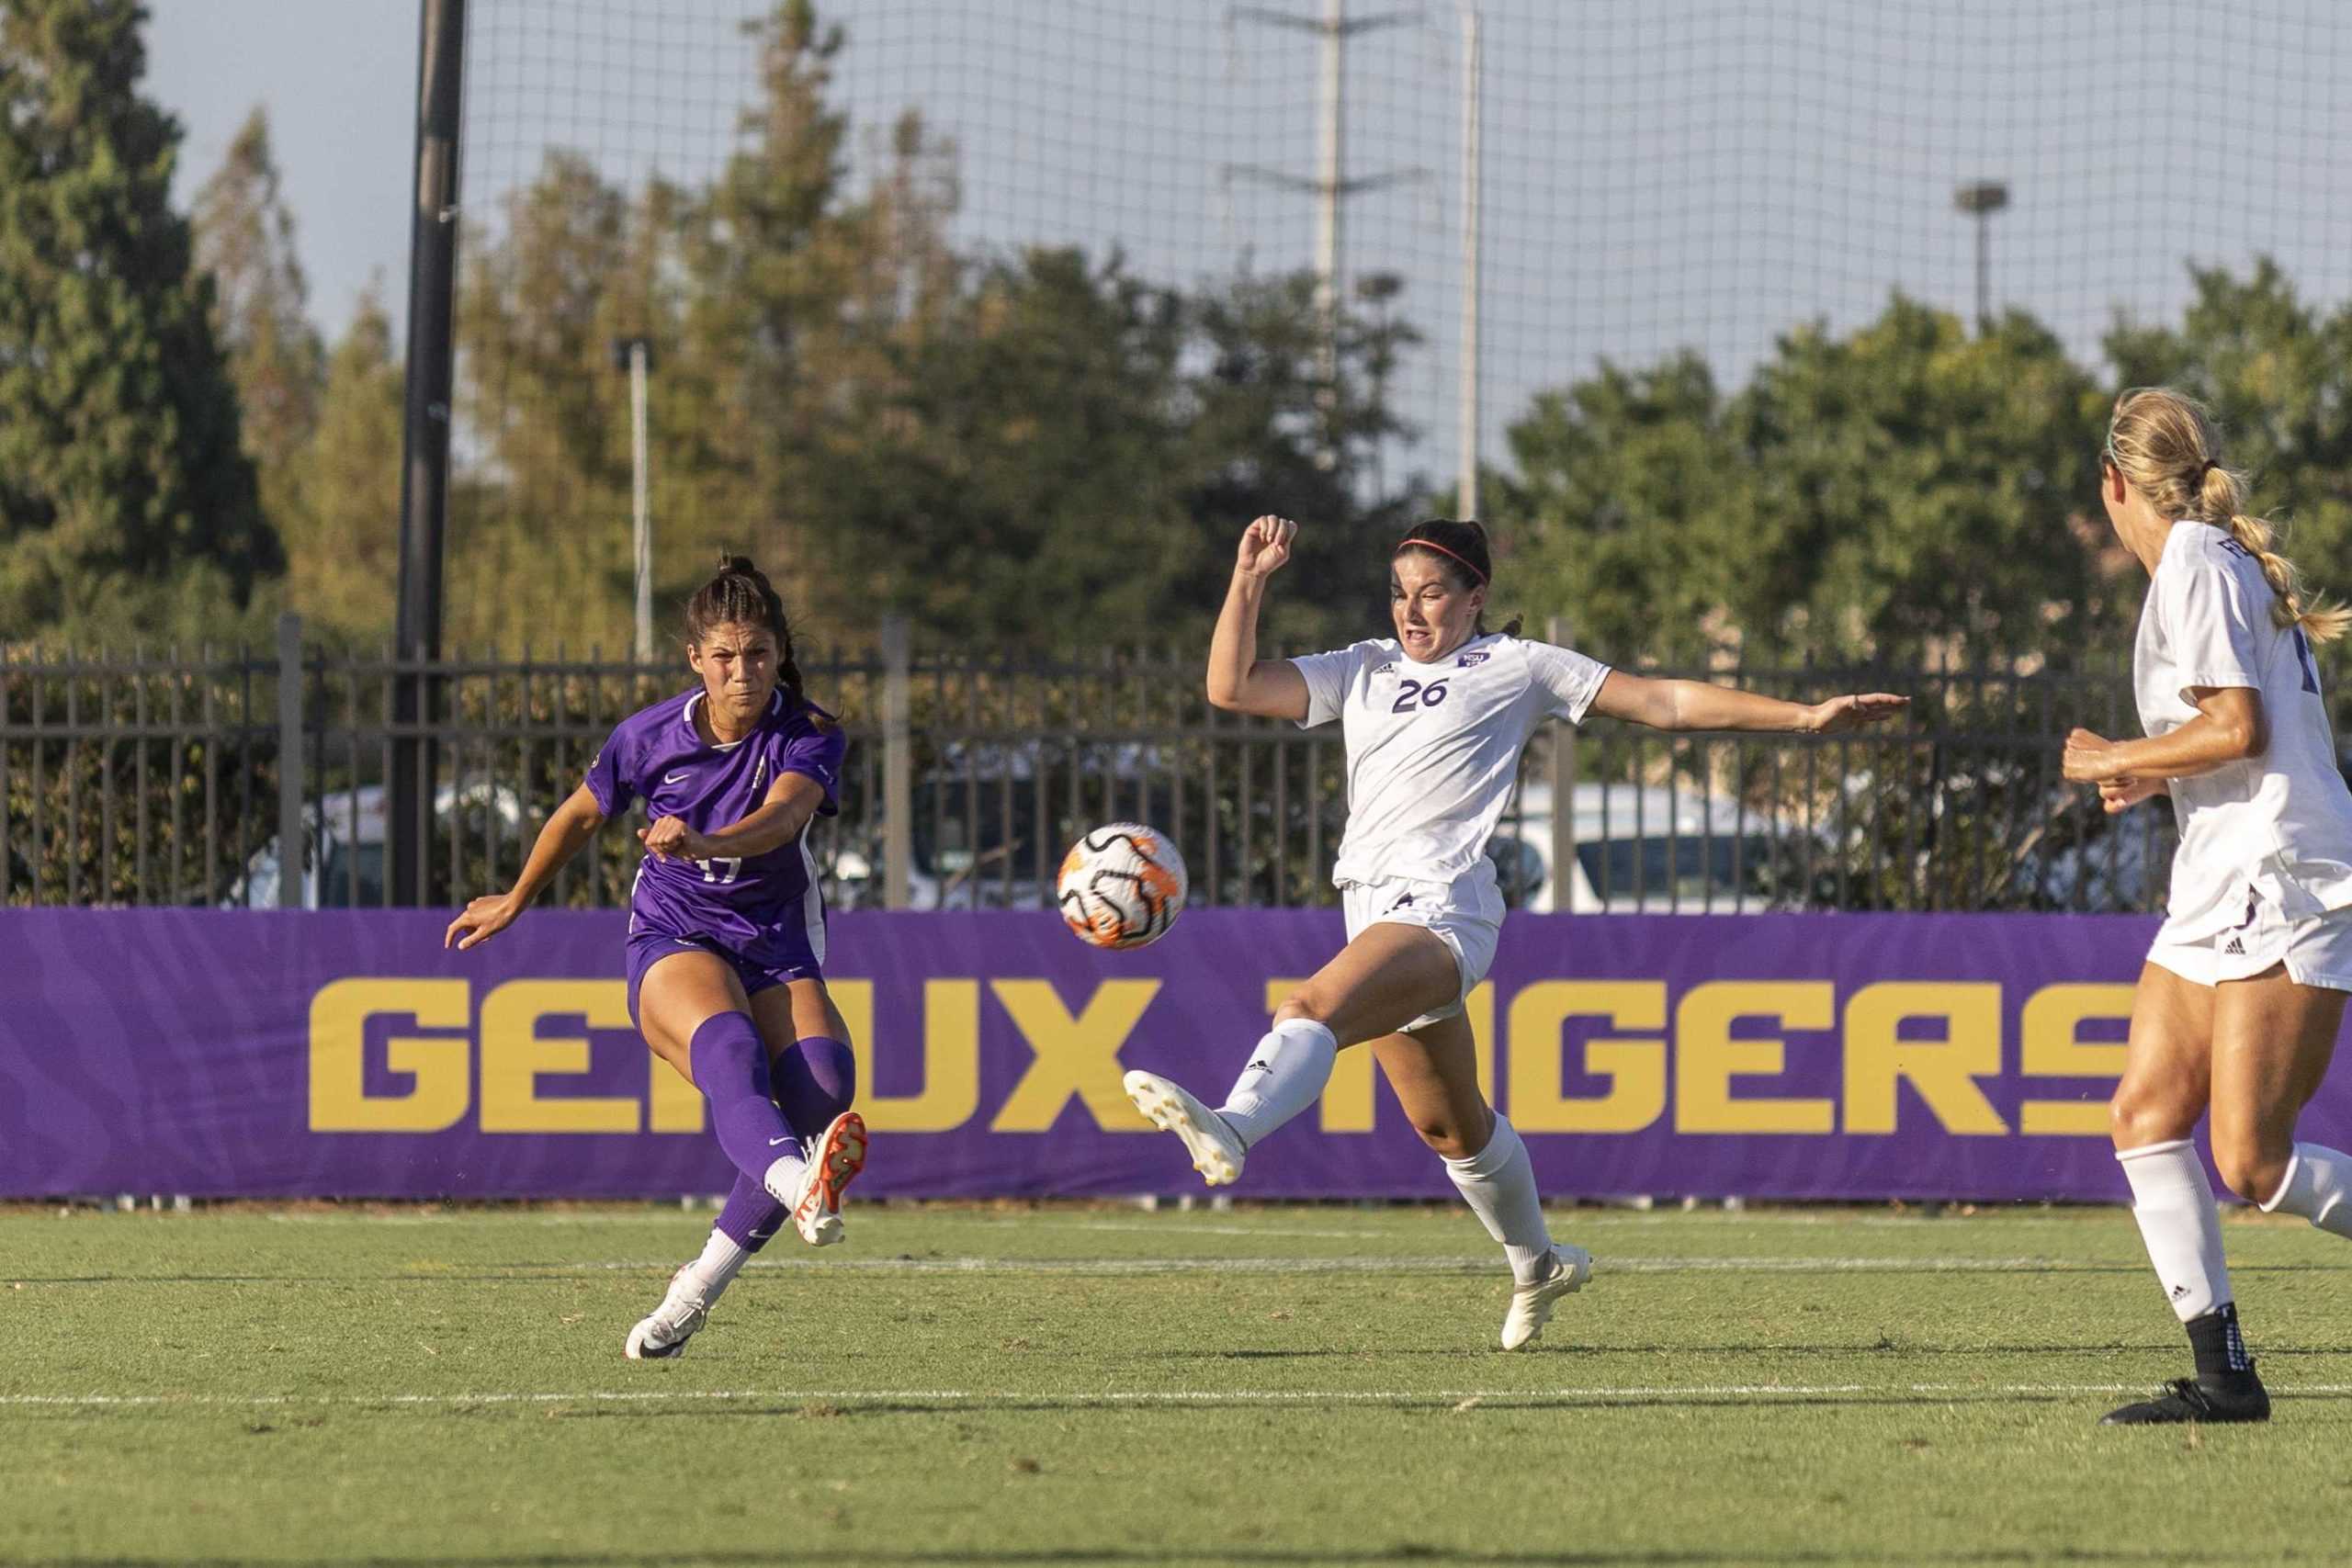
column 1123, row 886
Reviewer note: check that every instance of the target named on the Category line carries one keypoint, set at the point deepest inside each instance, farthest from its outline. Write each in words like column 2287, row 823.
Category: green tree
column 1015, row 467
column 126, row 502
column 344, row 543
column 1904, row 493
column 1263, row 432
column 539, row 529
column 1623, row 492
column 2277, row 373
column 245, row 243
column 980, row 443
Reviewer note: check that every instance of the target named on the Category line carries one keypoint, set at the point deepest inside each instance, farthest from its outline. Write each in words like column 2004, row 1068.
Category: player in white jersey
column 1435, row 718
column 2238, row 1004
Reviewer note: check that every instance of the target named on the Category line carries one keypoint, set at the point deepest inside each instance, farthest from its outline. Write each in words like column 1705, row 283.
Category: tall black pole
column 1984, row 273
column 424, row 445
column 1980, row 200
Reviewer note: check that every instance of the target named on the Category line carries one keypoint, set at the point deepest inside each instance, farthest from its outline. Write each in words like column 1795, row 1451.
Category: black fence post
column 424, row 467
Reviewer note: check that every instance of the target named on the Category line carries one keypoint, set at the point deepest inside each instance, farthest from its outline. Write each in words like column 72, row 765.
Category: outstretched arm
column 574, row 823
column 1238, row 681
column 1698, row 704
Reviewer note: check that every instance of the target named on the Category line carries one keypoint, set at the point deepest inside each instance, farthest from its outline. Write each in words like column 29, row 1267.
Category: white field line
column 1126, row 1397
column 1133, row 1266
column 1466, row 1264
column 1217, row 1223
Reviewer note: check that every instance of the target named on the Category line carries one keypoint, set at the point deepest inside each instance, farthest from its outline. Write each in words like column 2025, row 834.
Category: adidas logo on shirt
column 1388, row 668
column 2235, row 950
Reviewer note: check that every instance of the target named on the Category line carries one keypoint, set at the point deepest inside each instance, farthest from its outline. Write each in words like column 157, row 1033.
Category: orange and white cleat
column 833, row 1163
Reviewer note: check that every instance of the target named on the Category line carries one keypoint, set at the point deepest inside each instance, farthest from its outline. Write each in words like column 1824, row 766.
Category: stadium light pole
column 635, row 354
column 1330, row 188
column 424, row 437
column 1980, row 200
column 1379, row 290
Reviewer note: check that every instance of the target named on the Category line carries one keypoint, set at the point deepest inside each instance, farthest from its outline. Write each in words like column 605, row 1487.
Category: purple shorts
column 647, row 948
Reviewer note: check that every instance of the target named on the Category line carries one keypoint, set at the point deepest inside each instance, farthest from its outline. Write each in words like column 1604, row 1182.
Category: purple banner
column 259, row 1054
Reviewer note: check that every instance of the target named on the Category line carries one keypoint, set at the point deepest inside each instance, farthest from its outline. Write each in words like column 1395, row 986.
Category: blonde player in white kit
column 2238, row 1004
column 1435, row 719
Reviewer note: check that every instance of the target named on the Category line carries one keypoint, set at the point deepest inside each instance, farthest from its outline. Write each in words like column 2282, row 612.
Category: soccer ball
column 1122, row 885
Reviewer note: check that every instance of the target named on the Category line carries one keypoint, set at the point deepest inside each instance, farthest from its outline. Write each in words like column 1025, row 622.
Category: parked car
column 974, row 839
column 346, row 838
column 1646, row 848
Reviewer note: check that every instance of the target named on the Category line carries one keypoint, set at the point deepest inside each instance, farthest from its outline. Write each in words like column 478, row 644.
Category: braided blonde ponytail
column 2167, row 448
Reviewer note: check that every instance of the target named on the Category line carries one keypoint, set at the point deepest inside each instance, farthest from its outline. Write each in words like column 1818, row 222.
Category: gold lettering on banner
column 1635, row 1068
column 1943, row 1071
column 2049, row 1049
column 951, row 1057
column 515, row 1057
column 1706, row 1057
column 1073, row 1056
column 672, row 1104
column 438, row 1093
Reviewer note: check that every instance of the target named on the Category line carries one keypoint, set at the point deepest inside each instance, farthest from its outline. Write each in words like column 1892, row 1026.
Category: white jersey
column 2277, row 824
column 1433, row 748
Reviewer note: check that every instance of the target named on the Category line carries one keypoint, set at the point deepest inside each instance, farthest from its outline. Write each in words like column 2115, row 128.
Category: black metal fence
column 173, row 778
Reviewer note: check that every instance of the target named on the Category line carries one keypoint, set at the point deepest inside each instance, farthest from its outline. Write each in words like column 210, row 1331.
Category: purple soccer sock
column 751, row 1218
column 815, row 1081
column 732, row 1069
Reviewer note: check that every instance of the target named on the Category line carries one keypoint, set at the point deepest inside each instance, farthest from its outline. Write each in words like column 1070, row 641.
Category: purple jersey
column 765, row 909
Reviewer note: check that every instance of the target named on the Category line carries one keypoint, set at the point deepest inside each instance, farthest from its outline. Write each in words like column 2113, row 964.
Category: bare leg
column 1434, row 1072
column 2167, row 1078
column 2272, row 1042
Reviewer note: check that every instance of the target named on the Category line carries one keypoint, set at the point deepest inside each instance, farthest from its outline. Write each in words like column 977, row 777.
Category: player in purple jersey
column 725, row 928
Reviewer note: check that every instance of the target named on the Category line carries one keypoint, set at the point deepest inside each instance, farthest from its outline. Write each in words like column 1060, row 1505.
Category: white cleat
column 1530, row 1305
column 682, row 1312
column 834, row 1160
column 1218, row 1152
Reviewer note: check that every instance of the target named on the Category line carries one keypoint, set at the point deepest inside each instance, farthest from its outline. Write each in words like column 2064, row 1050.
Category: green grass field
column 1071, row 1385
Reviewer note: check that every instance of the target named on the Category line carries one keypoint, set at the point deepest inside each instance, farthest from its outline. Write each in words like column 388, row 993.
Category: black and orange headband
column 1405, row 545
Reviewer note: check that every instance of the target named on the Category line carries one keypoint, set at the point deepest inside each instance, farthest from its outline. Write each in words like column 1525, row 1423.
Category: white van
column 1644, row 849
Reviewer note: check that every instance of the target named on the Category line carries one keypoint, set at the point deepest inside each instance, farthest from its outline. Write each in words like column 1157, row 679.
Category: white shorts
column 1466, row 914
column 2316, row 950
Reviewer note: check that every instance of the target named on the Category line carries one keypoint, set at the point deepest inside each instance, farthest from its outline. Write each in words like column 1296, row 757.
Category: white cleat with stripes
column 664, row 1332
column 1530, row 1305
column 1216, row 1150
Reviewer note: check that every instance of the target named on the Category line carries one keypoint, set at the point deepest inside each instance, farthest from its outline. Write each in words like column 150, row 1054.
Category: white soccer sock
column 2174, row 1204
column 1286, row 1073
column 1498, row 1183
column 2319, row 1182
column 782, row 1178
column 722, row 1259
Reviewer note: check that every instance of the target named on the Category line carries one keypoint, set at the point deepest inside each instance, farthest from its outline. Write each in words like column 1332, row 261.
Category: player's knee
column 1445, row 1136
column 2137, row 1117
column 1306, row 1005
column 2249, row 1168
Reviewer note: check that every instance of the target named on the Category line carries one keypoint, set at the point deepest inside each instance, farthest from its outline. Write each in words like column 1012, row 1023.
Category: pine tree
column 245, row 242
column 126, row 504
column 342, row 546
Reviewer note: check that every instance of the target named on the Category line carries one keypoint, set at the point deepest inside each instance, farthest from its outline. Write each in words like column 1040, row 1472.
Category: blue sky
column 1658, row 173
column 338, row 78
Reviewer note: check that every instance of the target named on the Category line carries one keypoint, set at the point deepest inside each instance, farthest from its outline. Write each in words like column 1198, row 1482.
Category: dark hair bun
column 736, row 566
